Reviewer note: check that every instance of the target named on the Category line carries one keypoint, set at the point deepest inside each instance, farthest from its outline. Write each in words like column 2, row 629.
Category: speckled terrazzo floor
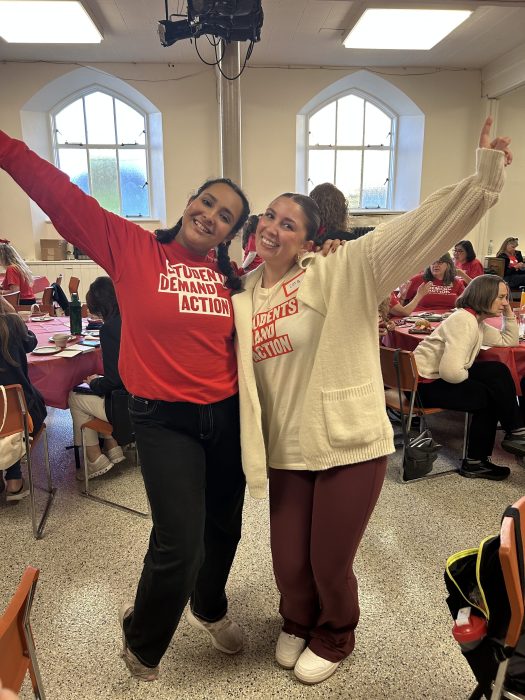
column 91, row 555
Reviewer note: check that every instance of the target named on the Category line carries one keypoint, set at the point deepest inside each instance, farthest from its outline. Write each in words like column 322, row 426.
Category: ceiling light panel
column 46, row 22
column 417, row 30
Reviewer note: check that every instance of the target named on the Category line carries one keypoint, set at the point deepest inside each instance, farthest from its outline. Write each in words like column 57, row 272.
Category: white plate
column 38, row 319
column 46, row 350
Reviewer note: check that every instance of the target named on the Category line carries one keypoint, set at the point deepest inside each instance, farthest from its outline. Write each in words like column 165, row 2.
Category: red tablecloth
column 55, row 376
column 513, row 357
column 39, row 283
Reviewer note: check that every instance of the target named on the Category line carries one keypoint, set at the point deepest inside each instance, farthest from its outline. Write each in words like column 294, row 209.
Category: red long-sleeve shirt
column 177, row 318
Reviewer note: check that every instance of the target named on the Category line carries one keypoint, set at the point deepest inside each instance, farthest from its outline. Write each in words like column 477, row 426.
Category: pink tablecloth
column 513, row 357
column 39, row 283
column 55, row 376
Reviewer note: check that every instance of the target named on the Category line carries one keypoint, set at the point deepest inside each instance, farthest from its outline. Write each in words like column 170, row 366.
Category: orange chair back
column 12, row 297
column 16, row 408
column 510, row 557
column 74, row 283
column 407, row 369
column 16, row 644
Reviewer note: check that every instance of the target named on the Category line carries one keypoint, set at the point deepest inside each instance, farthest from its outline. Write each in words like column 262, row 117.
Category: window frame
column 81, row 94
column 392, row 148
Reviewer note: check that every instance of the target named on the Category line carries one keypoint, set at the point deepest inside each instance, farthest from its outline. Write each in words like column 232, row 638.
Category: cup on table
column 25, row 315
column 60, row 339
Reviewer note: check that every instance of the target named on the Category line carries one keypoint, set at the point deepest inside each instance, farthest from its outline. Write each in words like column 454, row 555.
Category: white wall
column 271, row 99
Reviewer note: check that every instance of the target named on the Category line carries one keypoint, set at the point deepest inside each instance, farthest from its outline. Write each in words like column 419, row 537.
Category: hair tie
column 4, row 240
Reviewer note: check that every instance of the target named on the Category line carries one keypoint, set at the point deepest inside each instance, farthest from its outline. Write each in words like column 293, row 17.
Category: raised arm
column 76, row 216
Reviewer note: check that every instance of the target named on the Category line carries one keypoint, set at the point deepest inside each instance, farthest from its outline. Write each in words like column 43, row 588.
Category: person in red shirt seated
column 467, row 265
column 444, row 289
column 514, row 274
column 18, row 277
column 251, row 259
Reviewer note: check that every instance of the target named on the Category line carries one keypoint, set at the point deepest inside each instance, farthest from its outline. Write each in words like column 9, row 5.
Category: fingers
column 484, row 137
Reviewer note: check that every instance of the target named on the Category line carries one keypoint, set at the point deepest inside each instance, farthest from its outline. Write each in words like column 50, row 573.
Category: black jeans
column 191, row 465
column 488, row 393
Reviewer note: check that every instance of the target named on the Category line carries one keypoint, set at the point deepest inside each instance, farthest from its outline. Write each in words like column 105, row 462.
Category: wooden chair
column 511, row 556
column 408, row 408
column 18, row 420
column 12, row 297
column 123, row 431
column 74, row 283
column 494, row 265
column 17, row 647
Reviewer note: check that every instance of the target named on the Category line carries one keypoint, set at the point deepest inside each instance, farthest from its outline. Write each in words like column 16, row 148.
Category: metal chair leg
column 38, row 527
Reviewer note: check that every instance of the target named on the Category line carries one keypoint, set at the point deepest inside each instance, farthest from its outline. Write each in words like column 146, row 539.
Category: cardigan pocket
column 352, row 415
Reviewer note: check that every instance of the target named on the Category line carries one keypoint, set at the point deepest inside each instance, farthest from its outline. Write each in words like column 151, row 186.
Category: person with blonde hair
column 514, row 273
column 18, row 277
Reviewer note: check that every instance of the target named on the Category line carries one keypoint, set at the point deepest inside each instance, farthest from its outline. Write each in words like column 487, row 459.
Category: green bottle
column 75, row 315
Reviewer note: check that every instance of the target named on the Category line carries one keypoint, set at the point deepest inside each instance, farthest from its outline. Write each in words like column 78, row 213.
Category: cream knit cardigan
column 343, row 415
column 450, row 350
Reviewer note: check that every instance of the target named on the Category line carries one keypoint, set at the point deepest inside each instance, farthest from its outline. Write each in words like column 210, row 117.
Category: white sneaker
column 100, row 466
column 311, row 668
column 226, row 635
column 115, row 454
column 288, row 649
column 137, row 669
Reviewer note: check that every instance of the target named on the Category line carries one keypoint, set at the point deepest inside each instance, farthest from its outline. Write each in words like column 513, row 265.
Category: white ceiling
column 295, row 32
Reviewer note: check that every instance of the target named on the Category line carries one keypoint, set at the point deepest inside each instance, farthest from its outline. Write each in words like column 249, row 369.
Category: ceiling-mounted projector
column 230, row 20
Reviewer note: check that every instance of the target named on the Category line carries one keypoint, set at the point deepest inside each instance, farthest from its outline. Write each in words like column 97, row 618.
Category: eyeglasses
column 459, row 250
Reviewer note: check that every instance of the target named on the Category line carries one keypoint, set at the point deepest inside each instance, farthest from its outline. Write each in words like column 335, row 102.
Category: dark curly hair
column 332, row 205
column 450, row 272
column 166, row 235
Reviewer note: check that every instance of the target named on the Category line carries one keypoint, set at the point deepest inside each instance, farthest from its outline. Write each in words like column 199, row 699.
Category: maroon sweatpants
column 317, row 520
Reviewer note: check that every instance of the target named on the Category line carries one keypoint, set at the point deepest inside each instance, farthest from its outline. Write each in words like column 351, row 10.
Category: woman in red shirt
column 467, row 265
column 444, row 289
column 177, row 361
column 18, row 277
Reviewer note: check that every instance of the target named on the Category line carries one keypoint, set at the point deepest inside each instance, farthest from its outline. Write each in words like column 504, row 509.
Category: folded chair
column 17, row 648
column 18, row 420
column 407, row 383
column 122, row 430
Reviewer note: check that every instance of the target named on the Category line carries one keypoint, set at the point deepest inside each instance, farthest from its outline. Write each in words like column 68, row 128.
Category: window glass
column 104, row 178
column 100, row 118
column 358, row 160
column 130, row 124
column 348, row 176
column 321, row 126
column 321, row 168
column 375, row 179
column 74, row 163
column 69, row 124
column 117, row 175
column 350, row 116
column 377, row 127
column 133, row 183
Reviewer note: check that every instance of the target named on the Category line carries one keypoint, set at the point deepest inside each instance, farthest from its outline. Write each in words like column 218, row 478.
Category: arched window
column 351, row 145
column 366, row 136
column 101, row 142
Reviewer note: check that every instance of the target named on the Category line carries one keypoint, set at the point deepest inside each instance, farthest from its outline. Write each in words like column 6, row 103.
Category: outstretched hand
column 500, row 143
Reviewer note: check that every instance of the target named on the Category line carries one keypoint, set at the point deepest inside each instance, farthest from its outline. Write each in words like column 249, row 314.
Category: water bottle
column 471, row 633
column 75, row 315
column 490, row 248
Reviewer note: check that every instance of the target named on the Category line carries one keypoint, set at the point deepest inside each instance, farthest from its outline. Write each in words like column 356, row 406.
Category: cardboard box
column 53, row 249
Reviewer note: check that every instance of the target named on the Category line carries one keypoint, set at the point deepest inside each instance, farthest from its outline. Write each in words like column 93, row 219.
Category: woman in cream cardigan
column 450, row 379
column 312, row 398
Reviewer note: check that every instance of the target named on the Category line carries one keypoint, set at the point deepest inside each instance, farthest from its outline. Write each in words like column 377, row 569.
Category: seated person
column 391, row 306
column 444, row 289
column 251, row 259
column 467, row 265
column 102, row 301
column 514, row 274
column 18, row 277
column 450, row 377
column 333, row 208
column 15, row 341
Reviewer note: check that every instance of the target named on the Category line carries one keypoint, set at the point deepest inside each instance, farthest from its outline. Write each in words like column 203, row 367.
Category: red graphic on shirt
column 197, row 289
column 266, row 343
